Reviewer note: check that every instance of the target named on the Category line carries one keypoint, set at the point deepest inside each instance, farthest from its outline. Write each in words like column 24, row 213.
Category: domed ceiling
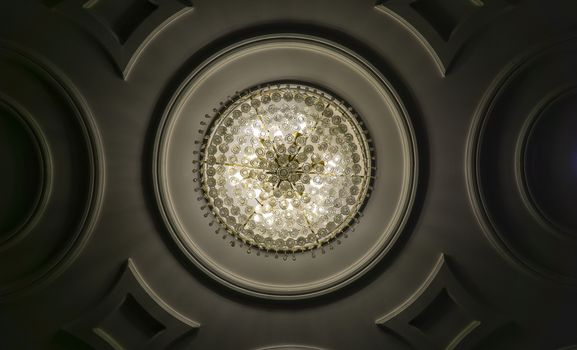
column 394, row 174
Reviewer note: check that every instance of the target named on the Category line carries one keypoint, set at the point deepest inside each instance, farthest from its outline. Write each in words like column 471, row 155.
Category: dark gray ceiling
column 467, row 241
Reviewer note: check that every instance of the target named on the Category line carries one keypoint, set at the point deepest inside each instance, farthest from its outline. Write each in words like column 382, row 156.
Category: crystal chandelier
column 285, row 167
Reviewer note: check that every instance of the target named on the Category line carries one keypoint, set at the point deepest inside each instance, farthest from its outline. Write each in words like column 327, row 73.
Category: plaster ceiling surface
column 393, row 174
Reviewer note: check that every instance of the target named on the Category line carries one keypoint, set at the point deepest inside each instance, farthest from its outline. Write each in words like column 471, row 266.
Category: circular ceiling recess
column 285, row 167
column 25, row 188
column 550, row 156
column 266, row 174
column 523, row 162
column 51, row 191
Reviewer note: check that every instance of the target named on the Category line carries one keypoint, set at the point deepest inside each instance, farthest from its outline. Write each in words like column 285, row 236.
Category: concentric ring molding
column 529, row 198
column 493, row 227
column 57, row 85
column 263, row 60
column 31, row 218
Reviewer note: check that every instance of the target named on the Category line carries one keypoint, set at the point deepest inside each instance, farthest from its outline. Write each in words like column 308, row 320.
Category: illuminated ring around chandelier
column 288, row 259
column 286, row 167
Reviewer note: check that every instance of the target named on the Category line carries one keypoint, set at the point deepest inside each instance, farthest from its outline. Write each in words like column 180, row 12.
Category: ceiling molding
column 131, row 316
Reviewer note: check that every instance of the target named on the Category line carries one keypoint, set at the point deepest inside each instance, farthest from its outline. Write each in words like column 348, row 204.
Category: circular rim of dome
column 385, row 215
column 81, row 113
column 341, row 108
column 45, row 171
column 499, row 236
column 522, row 175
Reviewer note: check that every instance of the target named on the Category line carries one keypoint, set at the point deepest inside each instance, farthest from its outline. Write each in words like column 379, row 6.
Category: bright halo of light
column 285, row 167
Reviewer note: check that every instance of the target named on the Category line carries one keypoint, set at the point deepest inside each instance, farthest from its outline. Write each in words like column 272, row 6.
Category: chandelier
column 285, row 167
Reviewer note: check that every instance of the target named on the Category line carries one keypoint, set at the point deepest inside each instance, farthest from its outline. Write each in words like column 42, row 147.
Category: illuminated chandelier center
column 285, row 167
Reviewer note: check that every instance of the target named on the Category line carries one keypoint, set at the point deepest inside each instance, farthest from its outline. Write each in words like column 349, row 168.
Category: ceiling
column 466, row 238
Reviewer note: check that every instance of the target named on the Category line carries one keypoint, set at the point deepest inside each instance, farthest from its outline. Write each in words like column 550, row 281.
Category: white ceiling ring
column 313, row 62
